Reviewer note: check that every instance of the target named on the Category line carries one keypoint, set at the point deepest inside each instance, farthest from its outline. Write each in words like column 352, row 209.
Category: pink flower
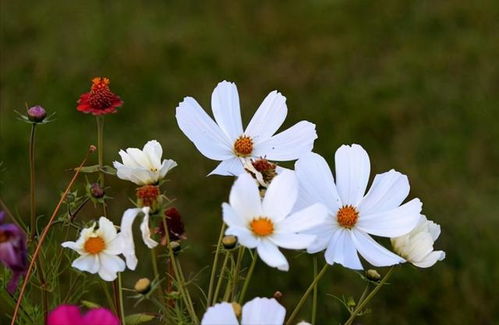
column 70, row 315
column 13, row 251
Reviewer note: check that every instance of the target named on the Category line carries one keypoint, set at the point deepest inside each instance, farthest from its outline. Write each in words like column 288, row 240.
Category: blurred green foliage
column 415, row 82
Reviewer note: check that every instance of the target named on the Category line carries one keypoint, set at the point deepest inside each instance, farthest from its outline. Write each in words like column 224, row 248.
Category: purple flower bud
column 96, row 191
column 13, row 251
column 37, row 114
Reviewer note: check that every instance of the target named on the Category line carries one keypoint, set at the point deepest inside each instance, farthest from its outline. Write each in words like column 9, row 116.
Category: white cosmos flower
column 98, row 249
column 353, row 215
column 224, row 139
column 268, row 224
column 126, row 234
column 417, row 246
column 143, row 166
column 259, row 311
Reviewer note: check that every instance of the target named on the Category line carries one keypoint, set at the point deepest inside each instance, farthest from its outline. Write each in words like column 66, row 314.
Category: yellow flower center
column 347, row 216
column 262, row 226
column 243, row 146
column 95, row 245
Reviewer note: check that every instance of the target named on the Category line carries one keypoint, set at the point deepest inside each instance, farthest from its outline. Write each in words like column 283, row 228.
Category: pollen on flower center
column 347, row 216
column 262, row 226
column 94, row 245
column 243, row 146
column 100, row 94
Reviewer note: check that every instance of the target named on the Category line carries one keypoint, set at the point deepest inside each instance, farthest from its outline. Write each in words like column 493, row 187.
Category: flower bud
column 143, row 286
column 147, row 196
column 277, row 295
column 175, row 247
column 229, row 242
column 96, row 191
column 37, row 114
column 373, row 275
column 237, row 309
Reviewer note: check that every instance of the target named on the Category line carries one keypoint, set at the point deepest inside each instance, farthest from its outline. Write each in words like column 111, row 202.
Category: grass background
column 415, row 82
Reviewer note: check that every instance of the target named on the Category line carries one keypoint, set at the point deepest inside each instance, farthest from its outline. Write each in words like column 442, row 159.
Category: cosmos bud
column 143, row 286
column 37, row 114
column 229, row 242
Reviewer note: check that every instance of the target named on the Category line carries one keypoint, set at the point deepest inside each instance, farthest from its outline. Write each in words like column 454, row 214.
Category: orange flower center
column 347, row 216
column 243, row 146
column 94, row 245
column 262, row 226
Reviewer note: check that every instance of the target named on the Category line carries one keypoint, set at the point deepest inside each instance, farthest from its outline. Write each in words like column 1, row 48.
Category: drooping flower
column 417, row 246
column 268, row 224
column 225, row 140
column 176, row 229
column 99, row 250
column 257, row 311
column 126, row 234
column 353, row 215
column 70, row 315
column 144, row 167
column 100, row 100
column 13, row 251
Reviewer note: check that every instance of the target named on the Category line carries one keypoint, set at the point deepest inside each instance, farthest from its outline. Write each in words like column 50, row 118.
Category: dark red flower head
column 100, row 100
column 176, row 230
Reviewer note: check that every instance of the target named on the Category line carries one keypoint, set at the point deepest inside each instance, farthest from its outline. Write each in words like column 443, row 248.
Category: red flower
column 100, row 100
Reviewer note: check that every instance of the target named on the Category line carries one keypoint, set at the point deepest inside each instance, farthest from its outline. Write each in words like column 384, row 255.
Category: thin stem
column 100, row 154
column 314, row 294
column 307, row 292
column 220, row 277
column 228, row 288
column 42, row 239
column 32, row 181
column 188, row 296
column 120, row 300
column 248, row 278
column 235, row 275
column 214, row 266
column 364, row 294
column 363, row 304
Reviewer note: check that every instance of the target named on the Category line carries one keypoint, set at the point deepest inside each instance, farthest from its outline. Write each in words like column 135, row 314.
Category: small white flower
column 353, row 215
column 267, row 224
column 126, row 234
column 417, row 246
column 259, row 311
column 225, row 140
column 98, row 249
column 143, row 166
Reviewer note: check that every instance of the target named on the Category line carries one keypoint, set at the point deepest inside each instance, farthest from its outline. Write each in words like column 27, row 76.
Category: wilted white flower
column 417, row 246
column 225, row 140
column 257, row 311
column 126, row 234
column 143, row 166
column 98, row 249
column 268, row 224
column 353, row 215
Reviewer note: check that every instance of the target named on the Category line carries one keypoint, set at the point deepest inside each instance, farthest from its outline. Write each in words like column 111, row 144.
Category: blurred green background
column 415, row 82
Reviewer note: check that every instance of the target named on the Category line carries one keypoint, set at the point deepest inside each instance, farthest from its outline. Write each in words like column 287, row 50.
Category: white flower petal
column 89, row 263
column 74, row 246
column 244, row 236
column 220, row 314
column 229, row 167
column 392, row 223
column 430, row 259
column 203, row 131
column 244, row 197
column 288, row 145
column 166, row 166
column 225, row 106
column 146, row 231
column 280, row 196
column 231, row 218
column 126, row 235
column 387, row 192
column 341, row 250
column 139, row 175
column 127, row 160
column 308, row 218
column 270, row 254
column 263, row 311
column 323, row 235
column 109, row 266
column 154, row 151
column 106, row 230
column 352, row 173
column 316, row 182
column 292, row 241
column 140, row 157
column 268, row 118
column 373, row 252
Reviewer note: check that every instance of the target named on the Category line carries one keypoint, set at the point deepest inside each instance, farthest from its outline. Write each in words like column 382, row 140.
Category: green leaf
column 138, row 318
column 95, row 169
column 90, row 304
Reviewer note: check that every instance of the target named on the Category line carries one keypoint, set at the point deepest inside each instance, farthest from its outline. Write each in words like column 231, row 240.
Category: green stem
column 314, row 294
column 363, row 304
column 120, row 299
column 235, row 275
column 32, row 180
column 100, row 153
column 307, row 292
column 220, row 277
column 248, row 278
column 230, row 280
column 187, row 294
column 214, row 266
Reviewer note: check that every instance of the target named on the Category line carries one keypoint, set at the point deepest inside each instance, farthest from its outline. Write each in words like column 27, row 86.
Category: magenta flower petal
column 65, row 315
column 100, row 316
